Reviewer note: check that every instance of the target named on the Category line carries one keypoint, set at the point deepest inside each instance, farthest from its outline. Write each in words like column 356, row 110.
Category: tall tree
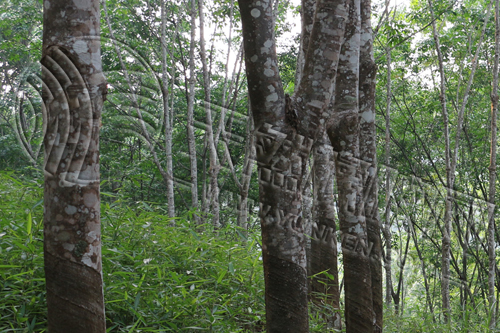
column 167, row 118
column 214, row 168
column 368, row 154
column 388, row 191
column 73, row 93
column 323, row 254
column 190, row 113
column 344, row 136
column 493, row 175
column 285, row 131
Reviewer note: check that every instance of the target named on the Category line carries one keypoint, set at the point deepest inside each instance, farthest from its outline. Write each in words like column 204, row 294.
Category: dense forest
column 188, row 160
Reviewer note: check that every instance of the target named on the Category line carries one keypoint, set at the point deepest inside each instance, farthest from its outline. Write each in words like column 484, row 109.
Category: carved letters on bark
column 350, row 242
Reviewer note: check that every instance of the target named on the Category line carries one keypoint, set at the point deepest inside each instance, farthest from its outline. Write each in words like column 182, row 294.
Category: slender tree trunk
column 222, row 122
column 74, row 89
column 307, row 15
column 323, row 247
column 214, row 168
column 190, row 115
column 398, row 295
column 388, row 191
column 324, row 235
column 423, row 265
column 451, row 159
column 246, row 175
column 445, row 255
column 368, row 154
column 344, row 136
column 493, row 175
column 167, row 115
column 465, row 258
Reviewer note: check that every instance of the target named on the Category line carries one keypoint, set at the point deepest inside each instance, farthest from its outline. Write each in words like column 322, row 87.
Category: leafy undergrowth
column 158, row 277
column 417, row 320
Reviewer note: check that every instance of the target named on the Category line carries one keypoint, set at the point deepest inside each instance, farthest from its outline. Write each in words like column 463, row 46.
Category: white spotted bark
column 388, row 191
column 323, row 254
column 73, row 93
column 368, row 155
column 286, row 128
column 344, row 136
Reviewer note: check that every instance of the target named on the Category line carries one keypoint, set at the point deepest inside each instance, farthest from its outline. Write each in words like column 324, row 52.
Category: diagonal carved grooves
column 69, row 118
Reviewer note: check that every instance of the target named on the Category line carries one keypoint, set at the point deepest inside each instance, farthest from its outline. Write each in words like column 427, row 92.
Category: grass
column 159, row 277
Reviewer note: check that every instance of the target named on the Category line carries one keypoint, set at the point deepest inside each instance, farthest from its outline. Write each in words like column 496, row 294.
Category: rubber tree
column 368, row 155
column 349, row 172
column 323, row 254
column 74, row 89
column 286, row 128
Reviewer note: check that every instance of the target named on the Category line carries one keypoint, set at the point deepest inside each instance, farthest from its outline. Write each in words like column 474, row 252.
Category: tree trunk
column 74, row 89
column 285, row 131
column 344, row 136
column 388, row 191
column 445, row 255
column 167, row 115
column 324, row 235
column 246, row 176
column 368, row 154
column 493, row 175
column 214, row 168
column 190, row 116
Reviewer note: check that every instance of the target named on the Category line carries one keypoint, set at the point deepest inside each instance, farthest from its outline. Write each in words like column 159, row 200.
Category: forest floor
column 160, row 275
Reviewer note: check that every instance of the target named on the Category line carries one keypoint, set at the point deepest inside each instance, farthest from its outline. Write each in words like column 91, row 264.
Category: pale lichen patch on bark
column 70, row 210
column 255, row 12
column 368, row 116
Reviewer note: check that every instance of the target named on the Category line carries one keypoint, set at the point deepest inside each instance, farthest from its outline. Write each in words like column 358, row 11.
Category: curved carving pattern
column 70, row 124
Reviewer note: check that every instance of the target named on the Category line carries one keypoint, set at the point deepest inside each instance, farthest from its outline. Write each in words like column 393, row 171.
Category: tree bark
column 246, row 176
column 169, row 179
column 368, row 154
column 388, row 191
column 493, row 175
column 324, row 235
column 323, row 244
column 74, row 89
column 190, row 116
column 214, row 167
column 344, row 136
column 285, row 131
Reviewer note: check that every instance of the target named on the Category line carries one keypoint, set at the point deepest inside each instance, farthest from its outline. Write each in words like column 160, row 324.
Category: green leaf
column 29, row 224
column 221, row 276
